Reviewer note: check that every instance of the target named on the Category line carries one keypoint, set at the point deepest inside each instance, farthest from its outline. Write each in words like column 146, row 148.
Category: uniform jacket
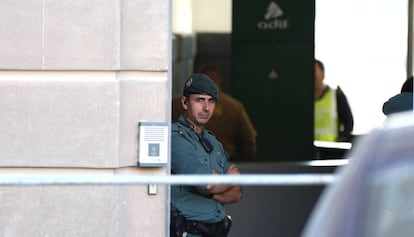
column 188, row 156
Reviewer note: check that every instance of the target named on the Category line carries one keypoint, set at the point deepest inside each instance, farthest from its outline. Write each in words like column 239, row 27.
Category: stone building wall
column 76, row 77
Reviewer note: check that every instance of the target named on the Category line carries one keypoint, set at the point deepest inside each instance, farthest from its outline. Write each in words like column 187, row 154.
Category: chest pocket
column 219, row 161
column 204, row 160
column 215, row 160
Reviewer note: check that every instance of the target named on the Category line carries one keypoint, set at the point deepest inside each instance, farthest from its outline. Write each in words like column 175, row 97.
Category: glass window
column 363, row 44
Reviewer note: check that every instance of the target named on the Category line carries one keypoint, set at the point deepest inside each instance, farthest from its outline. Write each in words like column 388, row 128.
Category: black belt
column 218, row 229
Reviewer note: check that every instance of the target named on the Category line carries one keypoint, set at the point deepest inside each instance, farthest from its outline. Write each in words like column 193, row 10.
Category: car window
column 390, row 200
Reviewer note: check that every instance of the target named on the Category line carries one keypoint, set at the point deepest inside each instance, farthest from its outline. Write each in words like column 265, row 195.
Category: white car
column 374, row 194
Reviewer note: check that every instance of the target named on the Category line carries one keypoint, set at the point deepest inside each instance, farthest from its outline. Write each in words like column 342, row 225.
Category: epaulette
column 179, row 130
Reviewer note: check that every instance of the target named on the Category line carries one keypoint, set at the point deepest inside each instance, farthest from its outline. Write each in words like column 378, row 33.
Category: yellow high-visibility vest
column 326, row 117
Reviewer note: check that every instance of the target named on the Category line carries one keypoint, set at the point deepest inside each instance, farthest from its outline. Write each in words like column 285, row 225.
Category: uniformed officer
column 199, row 210
column 230, row 122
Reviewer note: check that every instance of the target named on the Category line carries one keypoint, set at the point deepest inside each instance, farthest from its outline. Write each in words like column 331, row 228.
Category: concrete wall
column 75, row 78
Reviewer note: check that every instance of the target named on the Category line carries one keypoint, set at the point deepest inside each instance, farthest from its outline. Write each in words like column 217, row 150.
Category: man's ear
column 184, row 102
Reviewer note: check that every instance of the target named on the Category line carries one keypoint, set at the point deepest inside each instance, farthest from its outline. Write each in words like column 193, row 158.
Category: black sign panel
column 281, row 20
column 275, row 83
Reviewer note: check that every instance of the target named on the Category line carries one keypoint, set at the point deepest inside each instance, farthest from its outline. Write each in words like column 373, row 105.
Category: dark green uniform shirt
column 188, row 156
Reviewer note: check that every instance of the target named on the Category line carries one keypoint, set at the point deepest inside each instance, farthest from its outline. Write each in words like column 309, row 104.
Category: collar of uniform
column 181, row 120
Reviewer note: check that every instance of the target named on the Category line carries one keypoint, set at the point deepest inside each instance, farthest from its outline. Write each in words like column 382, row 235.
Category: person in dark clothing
column 333, row 116
column 402, row 101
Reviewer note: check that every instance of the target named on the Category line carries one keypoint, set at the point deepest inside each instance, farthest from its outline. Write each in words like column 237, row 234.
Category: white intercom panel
column 153, row 144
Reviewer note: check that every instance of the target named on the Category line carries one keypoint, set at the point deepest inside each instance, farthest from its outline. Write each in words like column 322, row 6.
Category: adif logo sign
column 273, row 11
column 273, row 19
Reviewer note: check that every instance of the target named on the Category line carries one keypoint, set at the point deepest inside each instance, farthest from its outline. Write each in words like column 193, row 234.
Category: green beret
column 200, row 83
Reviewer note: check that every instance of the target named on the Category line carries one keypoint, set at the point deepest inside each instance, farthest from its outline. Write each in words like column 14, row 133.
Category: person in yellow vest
column 333, row 116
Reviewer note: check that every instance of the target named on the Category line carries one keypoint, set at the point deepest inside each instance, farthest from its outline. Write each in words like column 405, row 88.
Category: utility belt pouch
column 177, row 226
column 227, row 222
column 220, row 229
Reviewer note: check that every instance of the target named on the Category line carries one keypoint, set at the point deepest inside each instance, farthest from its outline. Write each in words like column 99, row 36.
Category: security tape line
column 242, row 179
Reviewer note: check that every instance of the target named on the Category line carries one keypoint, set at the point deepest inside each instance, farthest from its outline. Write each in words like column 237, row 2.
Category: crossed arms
column 226, row 194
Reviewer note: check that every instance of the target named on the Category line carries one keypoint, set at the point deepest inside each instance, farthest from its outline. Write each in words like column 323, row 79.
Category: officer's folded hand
column 233, row 169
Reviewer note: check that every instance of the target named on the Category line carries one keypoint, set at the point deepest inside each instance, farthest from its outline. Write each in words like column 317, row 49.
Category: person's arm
column 225, row 193
column 232, row 195
column 345, row 117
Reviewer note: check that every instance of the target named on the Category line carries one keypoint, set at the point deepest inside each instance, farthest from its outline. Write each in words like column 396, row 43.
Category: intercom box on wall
column 153, row 144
